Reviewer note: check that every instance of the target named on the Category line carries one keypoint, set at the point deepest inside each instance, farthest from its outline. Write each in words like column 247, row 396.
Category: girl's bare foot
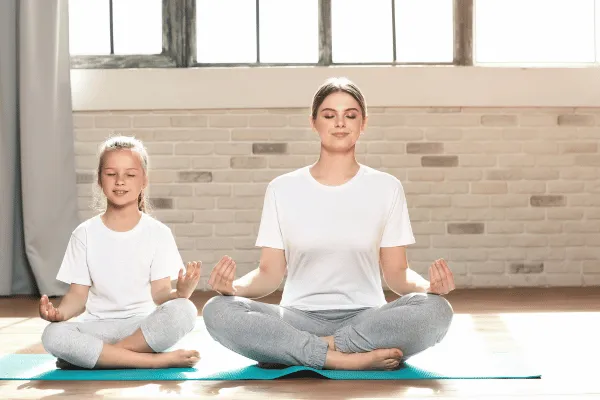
column 62, row 364
column 330, row 342
column 177, row 359
column 380, row 359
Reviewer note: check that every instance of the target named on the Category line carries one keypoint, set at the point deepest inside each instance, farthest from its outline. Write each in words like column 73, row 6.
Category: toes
column 393, row 353
column 193, row 355
column 391, row 364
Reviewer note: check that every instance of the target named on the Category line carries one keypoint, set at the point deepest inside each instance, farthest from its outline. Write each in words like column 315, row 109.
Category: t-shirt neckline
column 344, row 185
column 121, row 233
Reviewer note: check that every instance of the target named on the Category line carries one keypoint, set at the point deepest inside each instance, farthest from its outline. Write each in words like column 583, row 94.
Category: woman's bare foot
column 380, row 359
column 177, row 359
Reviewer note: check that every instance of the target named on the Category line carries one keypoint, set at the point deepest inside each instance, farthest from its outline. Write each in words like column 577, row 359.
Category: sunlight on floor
column 163, row 391
column 562, row 344
column 557, row 344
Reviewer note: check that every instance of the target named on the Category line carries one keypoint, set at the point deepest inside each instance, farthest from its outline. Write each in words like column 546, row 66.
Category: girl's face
column 339, row 122
column 122, row 178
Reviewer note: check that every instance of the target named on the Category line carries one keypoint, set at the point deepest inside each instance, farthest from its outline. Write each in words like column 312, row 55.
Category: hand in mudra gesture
column 441, row 280
column 49, row 312
column 187, row 283
column 222, row 276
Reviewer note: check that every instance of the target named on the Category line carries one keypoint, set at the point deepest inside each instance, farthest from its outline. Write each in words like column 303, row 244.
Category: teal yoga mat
column 42, row 367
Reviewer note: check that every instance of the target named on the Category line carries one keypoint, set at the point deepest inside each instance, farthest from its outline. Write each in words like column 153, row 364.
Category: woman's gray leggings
column 80, row 343
column 273, row 334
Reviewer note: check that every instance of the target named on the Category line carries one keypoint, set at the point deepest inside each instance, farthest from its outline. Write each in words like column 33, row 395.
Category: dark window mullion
column 175, row 30
column 111, row 24
column 189, row 33
column 394, row 29
column 325, row 47
column 463, row 32
column 257, row 31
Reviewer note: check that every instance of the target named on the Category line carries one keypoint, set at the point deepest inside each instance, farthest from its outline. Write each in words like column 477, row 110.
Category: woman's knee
column 441, row 312
column 217, row 311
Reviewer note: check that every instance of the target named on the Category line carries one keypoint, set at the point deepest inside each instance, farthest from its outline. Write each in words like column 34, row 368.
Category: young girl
column 119, row 265
column 333, row 226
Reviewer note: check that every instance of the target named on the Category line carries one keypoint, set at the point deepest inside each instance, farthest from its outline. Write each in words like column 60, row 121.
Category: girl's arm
column 162, row 291
column 71, row 305
column 186, row 284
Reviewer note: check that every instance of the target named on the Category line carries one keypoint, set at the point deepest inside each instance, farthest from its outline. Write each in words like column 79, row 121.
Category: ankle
column 330, row 340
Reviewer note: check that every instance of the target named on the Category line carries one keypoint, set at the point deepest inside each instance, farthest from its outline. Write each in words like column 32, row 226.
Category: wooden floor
column 557, row 329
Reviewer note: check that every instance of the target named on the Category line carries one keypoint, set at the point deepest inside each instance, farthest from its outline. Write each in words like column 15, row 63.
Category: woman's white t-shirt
column 331, row 236
column 119, row 266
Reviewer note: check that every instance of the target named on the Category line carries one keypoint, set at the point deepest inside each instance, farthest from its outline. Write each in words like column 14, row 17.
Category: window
column 535, row 31
column 104, row 27
column 187, row 33
column 184, row 33
column 422, row 35
column 383, row 31
column 125, row 33
column 265, row 31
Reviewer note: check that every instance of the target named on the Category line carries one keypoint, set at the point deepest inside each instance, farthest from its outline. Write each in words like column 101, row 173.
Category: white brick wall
column 510, row 197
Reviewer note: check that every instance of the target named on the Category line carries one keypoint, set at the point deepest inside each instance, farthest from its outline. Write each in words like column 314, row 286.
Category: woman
column 332, row 226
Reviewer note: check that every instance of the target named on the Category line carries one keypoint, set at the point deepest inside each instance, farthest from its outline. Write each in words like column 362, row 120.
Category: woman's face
column 339, row 122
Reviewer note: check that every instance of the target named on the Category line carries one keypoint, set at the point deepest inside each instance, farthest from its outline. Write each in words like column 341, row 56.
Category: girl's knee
column 55, row 337
column 184, row 312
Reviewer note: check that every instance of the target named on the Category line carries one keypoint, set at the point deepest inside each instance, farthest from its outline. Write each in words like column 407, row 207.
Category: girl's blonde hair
column 118, row 143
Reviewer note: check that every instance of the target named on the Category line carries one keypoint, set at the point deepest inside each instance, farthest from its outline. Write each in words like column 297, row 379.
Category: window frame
column 179, row 42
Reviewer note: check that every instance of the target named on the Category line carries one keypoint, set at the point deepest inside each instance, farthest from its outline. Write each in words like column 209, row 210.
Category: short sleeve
column 269, row 231
column 74, row 267
column 167, row 261
column 398, row 230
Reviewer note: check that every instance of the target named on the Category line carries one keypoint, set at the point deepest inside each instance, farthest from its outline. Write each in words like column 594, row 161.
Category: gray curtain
column 38, row 193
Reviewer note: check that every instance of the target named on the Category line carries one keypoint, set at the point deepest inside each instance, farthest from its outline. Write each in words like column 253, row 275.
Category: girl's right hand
column 222, row 276
column 49, row 312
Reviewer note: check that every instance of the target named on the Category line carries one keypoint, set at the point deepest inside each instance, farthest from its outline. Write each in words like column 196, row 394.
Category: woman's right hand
column 49, row 312
column 222, row 276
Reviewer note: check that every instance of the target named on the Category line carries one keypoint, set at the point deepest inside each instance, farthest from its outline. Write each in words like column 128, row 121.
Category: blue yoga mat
column 42, row 367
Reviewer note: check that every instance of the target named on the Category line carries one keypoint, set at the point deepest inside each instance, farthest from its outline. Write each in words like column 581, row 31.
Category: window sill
column 291, row 87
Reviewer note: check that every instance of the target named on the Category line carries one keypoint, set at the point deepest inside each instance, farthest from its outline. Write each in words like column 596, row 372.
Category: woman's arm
column 258, row 283
column 71, row 305
column 397, row 274
column 401, row 279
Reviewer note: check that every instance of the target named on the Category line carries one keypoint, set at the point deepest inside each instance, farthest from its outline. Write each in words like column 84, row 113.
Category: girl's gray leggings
column 273, row 334
column 80, row 343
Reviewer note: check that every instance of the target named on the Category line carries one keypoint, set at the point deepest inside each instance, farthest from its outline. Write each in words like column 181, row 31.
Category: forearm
column 72, row 304
column 164, row 295
column 257, row 283
column 412, row 282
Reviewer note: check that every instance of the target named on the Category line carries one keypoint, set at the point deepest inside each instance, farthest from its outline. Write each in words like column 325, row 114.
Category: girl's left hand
column 441, row 280
column 186, row 284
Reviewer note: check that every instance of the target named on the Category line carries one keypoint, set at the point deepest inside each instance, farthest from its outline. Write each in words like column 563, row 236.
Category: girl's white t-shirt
column 331, row 236
column 119, row 266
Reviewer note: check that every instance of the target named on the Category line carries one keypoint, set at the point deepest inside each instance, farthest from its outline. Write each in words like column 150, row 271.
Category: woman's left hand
column 186, row 284
column 441, row 280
